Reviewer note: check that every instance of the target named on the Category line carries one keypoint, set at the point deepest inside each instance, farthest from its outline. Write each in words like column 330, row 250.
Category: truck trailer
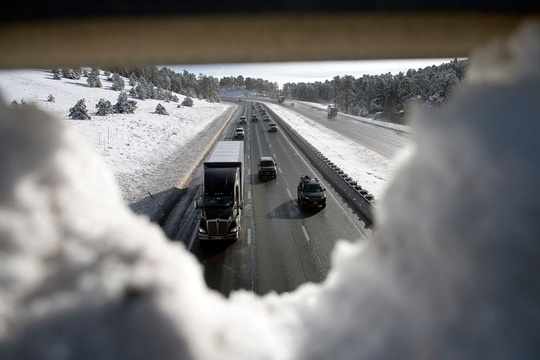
column 332, row 111
column 222, row 192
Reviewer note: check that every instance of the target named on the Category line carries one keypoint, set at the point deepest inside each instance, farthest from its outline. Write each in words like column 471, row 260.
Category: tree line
column 165, row 80
column 385, row 95
column 256, row 85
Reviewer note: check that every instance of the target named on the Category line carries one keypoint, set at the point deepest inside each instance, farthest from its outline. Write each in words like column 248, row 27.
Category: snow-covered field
column 147, row 152
column 450, row 273
column 151, row 153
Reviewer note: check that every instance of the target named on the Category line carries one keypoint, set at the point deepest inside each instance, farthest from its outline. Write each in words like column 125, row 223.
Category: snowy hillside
column 140, row 148
column 150, row 154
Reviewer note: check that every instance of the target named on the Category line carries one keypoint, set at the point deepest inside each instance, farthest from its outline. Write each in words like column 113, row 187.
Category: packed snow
column 451, row 272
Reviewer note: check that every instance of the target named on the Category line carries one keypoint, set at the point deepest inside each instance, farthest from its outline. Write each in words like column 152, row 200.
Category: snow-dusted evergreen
column 124, row 105
column 210, row 89
column 93, row 78
column 51, row 98
column 56, row 74
column 170, row 96
column 141, row 91
column 104, row 107
column 187, row 102
column 160, row 109
column 74, row 74
column 118, row 83
column 132, row 79
column 79, row 111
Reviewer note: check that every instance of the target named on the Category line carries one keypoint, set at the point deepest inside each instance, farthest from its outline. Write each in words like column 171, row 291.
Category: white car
column 239, row 133
column 272, row 127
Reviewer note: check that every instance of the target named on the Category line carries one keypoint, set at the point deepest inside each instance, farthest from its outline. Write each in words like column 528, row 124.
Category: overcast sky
column 296, row 72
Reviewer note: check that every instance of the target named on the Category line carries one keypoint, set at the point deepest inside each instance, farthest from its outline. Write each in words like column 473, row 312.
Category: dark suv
column 311, row 192
column 267, row 167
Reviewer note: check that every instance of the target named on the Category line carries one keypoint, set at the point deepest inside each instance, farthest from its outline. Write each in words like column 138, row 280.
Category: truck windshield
column 267, row 163
column 218, row 201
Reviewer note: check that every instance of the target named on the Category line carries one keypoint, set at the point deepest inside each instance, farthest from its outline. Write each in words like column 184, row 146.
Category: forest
column 385, row 96
column 382, row 96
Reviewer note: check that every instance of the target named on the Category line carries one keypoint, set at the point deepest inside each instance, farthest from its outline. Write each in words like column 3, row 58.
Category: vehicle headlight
column 202, row 231
column 234, row 230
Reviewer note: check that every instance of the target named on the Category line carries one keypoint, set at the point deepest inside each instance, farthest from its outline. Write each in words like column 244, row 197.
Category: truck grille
column 217, row 227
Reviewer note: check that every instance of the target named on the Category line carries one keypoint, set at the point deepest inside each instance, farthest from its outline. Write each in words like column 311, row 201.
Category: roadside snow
column 385, row 124
column 371, row 170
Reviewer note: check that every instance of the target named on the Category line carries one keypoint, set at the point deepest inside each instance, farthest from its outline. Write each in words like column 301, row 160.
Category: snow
column 451, row 272
column 370, row 169
column 151, row 153
column 135, row 146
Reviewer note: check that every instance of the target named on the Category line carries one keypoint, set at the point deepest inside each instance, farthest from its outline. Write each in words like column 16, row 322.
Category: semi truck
column 332, row 111
column 221, row 200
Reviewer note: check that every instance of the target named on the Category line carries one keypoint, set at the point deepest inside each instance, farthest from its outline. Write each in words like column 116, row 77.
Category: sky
column 450, row 272
column 296, row 72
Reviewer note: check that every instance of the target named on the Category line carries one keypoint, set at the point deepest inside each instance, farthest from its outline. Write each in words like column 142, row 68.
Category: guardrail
column 349, row 188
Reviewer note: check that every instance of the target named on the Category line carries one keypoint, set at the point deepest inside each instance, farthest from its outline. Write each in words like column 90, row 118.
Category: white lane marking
column 249, row 195
column 305, row 233
column 353, row 221
column 288, row 192
column 249, row 236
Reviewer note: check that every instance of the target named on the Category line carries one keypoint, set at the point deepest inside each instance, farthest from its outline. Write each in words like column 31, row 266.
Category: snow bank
column 372, row 170
column 450, row 274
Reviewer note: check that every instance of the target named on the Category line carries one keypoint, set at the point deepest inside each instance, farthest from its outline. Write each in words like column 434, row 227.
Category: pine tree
column 104, row 107
column 187, row 102
column 56, row 74
column 132, row 80
column 118, row 83
column 160, row 109
column 77, row 72
column 70, row 74
column 79, row 112
column 172, row 96
column 124, row 105
column 143, row 90
column 51, row 98
column 93, row 78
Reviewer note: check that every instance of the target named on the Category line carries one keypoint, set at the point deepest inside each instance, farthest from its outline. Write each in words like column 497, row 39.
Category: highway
column 281, row 246
column 386, row 142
